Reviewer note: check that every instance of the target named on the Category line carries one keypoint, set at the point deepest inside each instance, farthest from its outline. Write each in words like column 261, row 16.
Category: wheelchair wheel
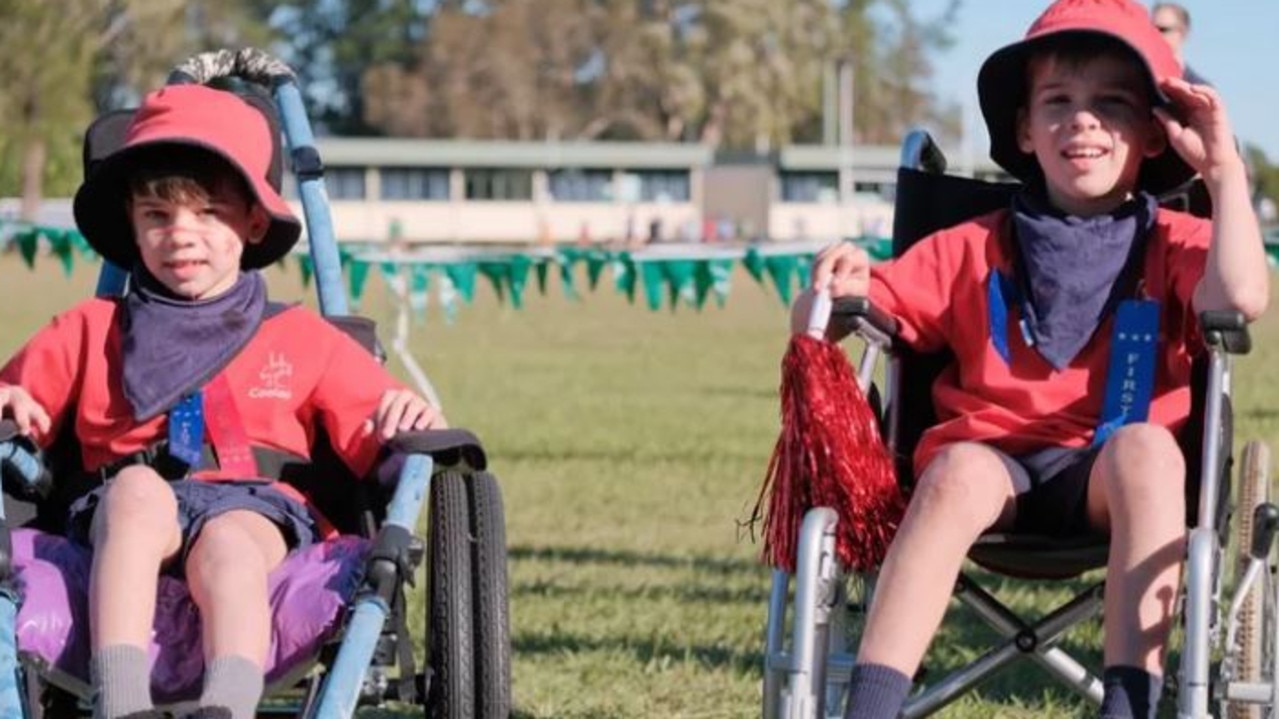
column 450, row 644
column 491, row 618
column 1252, row 656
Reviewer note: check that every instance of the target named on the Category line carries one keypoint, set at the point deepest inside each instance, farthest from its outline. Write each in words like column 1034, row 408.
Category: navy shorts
column 1052, row 491
column 200, row 501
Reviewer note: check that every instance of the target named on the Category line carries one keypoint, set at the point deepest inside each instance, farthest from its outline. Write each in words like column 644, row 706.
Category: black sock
column 1130, row 693
column 876, row 692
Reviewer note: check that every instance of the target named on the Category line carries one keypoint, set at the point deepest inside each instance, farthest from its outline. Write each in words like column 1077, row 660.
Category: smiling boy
column 1090, row 112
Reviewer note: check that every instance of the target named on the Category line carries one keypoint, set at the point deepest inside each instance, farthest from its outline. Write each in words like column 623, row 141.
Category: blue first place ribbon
column 186, row 429
column 1130, row 379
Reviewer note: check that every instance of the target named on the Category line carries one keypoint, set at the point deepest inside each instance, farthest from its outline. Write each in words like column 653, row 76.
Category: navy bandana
column 172, row 346
column 1073, row 266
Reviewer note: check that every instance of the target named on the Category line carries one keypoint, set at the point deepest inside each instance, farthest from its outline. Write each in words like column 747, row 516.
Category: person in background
column 1173, row 21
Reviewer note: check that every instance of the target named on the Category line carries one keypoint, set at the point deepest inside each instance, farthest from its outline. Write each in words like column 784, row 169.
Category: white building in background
column 469, row 191
column 465, row 191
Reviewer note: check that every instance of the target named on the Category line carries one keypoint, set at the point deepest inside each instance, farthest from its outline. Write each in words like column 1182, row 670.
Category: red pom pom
column 829, row 454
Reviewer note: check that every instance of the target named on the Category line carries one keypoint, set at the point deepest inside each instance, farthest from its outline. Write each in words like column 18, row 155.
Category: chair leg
column 816, row 578
column 775, row 661
column 1036, row 641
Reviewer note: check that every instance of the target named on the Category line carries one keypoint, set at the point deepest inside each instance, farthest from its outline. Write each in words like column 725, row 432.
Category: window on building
column 415, row 183
column 879, row 190
column 810, row 186
column 499, row 184
column 663, row 185
column 344, row 183
column 581, row 185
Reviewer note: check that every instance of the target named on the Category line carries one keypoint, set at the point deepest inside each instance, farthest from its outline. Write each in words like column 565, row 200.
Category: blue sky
column 1233, row 43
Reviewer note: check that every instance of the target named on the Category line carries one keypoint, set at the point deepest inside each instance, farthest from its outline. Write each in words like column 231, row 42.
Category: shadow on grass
column 628, row 558
column 647, row 651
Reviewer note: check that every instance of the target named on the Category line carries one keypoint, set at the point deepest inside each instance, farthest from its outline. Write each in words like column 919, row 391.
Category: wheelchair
column 341, row 630
column 1229, row 627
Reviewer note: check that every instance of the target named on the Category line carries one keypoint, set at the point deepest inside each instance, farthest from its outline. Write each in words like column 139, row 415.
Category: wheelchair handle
column 1265, row 524
column 248, row 63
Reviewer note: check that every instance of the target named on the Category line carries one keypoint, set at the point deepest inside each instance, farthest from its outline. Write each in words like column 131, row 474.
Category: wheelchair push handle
column 1265, row 525
column 247, row 63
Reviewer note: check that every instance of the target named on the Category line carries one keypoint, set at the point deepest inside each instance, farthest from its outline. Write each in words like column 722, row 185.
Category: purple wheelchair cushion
column 309, row 592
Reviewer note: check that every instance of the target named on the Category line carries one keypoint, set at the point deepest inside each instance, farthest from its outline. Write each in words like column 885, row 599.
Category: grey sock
column 122, row 681
column 876, row 692
column 233, row 682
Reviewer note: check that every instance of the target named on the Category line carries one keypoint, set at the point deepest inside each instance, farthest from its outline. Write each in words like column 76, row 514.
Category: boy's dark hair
column 183, row 174
column 1077, row 52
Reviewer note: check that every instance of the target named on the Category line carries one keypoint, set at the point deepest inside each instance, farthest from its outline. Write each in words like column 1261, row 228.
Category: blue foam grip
column 315, row 202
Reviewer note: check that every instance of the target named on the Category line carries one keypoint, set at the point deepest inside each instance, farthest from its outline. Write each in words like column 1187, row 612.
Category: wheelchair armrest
column 23, row 473
column 1226, row 329
column 851, row 314
column 446, row 446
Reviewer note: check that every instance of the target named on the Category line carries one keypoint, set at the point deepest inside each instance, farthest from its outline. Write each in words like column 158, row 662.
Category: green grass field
column 630, row 446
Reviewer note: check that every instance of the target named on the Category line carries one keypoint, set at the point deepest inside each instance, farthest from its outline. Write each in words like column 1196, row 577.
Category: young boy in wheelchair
column 1090, row 113
column 174, row 390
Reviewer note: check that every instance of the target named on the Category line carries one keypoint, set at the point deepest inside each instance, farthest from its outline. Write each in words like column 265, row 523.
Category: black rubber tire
column 491, row 617
column 1254, row 489
column 450, row 642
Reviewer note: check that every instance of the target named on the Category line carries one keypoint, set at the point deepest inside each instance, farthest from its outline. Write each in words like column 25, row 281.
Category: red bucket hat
column 216, row 121
column 1001, row 84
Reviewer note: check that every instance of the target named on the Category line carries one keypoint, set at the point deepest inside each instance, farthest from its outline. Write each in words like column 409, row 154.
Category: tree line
column 735, row 74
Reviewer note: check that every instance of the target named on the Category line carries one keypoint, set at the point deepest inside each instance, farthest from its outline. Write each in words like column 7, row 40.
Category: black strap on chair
column 406, row 685
column 272, row 463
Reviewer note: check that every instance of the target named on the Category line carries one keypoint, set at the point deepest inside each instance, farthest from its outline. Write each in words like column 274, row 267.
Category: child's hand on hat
column 1202, row 134
column 21, row 407
column 402, row 410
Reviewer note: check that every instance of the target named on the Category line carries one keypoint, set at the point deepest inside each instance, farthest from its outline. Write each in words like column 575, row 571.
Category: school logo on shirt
column 275, row 379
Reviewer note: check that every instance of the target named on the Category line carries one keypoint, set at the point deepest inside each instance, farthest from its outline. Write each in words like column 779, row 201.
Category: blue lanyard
column 186, row 429
column 1130, row 374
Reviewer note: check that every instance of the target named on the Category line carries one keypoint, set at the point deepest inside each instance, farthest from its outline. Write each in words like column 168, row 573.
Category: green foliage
column 1265, row 174
column 732, row 73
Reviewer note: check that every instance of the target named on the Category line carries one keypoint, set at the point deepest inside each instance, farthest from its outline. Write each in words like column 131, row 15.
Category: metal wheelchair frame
column 806, row 674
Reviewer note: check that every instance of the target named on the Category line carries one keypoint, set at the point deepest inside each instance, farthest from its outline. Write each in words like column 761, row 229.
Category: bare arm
column 1236, row 276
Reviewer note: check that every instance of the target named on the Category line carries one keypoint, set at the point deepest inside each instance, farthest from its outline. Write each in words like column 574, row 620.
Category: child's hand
column 27, row 413
column 402, row 410
column 844, row 269
column 1202, row 135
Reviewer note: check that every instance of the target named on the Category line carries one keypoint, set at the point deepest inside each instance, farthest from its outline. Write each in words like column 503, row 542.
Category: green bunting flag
column 670, row 275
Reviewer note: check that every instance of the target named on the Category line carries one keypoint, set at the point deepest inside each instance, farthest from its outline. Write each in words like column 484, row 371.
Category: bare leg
column 227, row 571
column 965, row 491
column 1136, row 492
column 135, row 530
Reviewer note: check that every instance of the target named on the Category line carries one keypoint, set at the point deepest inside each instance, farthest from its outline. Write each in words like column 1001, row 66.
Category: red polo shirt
column 937, row 291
